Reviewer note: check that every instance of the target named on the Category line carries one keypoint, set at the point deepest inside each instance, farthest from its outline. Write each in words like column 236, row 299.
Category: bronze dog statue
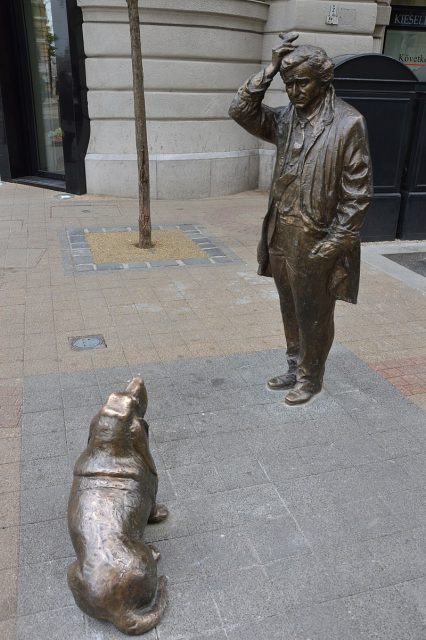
column 113, row 497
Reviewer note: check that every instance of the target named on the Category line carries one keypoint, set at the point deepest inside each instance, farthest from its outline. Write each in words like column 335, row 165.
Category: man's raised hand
column 280, row 51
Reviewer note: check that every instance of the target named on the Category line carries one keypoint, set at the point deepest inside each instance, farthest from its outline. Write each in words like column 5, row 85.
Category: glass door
column 43, row 69
column 44, row 123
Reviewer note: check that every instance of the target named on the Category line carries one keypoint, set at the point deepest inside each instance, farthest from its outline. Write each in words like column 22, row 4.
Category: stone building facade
column 196, row 54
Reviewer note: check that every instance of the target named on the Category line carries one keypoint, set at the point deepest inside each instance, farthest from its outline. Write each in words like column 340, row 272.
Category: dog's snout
column 136, row 388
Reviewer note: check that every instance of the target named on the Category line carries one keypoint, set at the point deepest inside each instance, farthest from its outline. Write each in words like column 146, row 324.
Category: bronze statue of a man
column 320, row 193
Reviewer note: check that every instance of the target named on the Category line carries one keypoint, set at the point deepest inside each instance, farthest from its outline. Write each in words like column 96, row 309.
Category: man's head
column 307, row 73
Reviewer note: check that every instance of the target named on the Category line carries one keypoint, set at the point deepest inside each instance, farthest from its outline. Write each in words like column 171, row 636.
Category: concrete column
column 196, row 54
column 383, row 18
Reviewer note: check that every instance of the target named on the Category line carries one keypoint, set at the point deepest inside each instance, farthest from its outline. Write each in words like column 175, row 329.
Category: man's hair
column 317, row 59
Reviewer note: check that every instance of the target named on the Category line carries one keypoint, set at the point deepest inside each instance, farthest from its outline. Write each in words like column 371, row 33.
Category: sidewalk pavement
column 285, row 523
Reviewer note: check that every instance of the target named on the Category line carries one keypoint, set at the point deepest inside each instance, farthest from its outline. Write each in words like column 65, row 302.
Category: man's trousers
column 307, row 307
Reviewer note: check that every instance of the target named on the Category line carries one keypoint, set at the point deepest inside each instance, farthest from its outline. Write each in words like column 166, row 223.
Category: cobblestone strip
column 77, row 256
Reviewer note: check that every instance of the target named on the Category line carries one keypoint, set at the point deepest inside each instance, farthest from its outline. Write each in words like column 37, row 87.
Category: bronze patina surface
column 321, row 188
column 113, row 497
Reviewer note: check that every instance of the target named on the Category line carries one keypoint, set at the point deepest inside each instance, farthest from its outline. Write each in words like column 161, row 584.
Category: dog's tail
column 135, row 623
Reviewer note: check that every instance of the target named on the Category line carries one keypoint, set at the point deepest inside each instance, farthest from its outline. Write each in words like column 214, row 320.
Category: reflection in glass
column 408, row 47
column 42, row 50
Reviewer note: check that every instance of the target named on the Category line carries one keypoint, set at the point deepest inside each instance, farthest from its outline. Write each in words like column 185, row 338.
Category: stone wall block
column 183, row 179
column 168, row 137
column 116, row 74
column 160, row 105
column 117, row 177
column 187, row 42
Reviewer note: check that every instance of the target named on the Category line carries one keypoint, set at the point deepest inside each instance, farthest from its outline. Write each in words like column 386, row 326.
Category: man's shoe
column 286, row 381
column 300, row 395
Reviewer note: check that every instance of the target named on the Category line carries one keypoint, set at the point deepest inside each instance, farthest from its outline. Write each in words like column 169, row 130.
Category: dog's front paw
column 158, row 514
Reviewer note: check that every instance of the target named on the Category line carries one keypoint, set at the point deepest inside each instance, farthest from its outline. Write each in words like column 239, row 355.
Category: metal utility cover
column 79, row 343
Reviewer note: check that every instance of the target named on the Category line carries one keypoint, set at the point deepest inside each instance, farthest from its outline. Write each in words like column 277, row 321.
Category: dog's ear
column 136, row 388
column 118, row 405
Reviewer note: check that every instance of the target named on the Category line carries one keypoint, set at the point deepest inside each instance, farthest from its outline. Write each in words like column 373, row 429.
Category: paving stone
column 175, row 526
column 72, row 379
column 183, row 452
column 301, row 580
column 352, row 566
column 10, row 508
column 169, row 429
column 43, row 422
column 101, row 629
column 58, row 624
column 271, row 442
column 191, row 611
column 45, row 503
column 207, row 423
column 276, row 538
column 409, row 505
column 8, row 582
column 241, row 595
column 81, row 396
column 324, row 621
column 45, row 472
column 194, row 480
column 114, row 376
column 224, row 551
column 166, row 492
column 44, row 445
column 180, row 559
column 43, row 587
column 362, row 449
column 9, row 546
column 247, row 473
column 10, row 450
column 350, row 521
column 387, row 614
column 9, row 477
column 8, row 629
column 79, row 418
column 170, row 406
column 400, row 556
column 76, row 442
column 415, row 469
column 221, row 259
column 213, row 634
column 43, row 541
column 226, row 446
column 42, row 393
column 275, row 627
column 245, row 505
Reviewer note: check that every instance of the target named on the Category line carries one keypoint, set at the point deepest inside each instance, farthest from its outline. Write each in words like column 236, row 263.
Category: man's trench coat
column 336, row 176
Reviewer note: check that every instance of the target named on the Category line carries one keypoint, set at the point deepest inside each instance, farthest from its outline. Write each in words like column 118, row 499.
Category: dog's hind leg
column 135, row 623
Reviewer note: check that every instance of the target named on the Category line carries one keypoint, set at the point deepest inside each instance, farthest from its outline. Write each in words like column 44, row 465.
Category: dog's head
column 121, row 417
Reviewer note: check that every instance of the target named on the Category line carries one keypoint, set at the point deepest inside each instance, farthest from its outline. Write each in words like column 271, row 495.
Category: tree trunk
column 140, row 126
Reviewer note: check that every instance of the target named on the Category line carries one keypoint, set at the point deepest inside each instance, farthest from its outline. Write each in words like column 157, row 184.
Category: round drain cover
column 87, row 342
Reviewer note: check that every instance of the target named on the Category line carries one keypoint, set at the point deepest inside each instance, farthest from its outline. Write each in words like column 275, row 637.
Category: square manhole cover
column 415, row 261
column 80, row 343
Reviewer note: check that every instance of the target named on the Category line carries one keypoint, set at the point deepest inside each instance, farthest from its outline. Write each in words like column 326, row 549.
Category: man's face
column 303, row 88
